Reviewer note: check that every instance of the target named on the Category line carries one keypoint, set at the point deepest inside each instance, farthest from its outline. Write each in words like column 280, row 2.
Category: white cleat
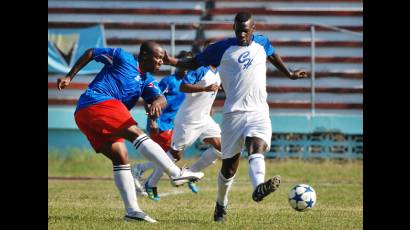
column 139, row 216
column 185, row 177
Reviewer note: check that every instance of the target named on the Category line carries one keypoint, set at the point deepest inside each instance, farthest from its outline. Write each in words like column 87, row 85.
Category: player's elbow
column 184, row 88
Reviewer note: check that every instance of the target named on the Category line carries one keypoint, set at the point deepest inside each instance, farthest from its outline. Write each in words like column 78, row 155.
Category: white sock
column 207, row 158
column 147, row 165
column 156, row 175
column 224, row 185
column 154, row 153
column 125, row 184
column 256, row 169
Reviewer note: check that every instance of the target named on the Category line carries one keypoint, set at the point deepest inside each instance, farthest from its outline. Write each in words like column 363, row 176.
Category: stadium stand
column 339, row 56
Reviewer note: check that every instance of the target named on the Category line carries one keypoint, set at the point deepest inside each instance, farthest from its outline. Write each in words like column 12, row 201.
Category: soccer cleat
column 186, row 176
column 220, row 213
column 193, row 187
column 136, row 174
column 139, row 216
column 152, row 192
column 264, row 189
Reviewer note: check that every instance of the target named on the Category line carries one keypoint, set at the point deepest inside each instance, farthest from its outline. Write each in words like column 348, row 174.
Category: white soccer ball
column 302, row 197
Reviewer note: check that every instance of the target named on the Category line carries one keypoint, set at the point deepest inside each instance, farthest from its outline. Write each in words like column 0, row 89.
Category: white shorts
column 239, row 125
column 185, row 134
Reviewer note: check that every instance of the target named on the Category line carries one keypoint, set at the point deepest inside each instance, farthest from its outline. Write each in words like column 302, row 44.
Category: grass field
column 96, row 204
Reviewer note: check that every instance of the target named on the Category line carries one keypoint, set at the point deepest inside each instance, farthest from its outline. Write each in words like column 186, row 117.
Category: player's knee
column 176, row 154
column 228, row 172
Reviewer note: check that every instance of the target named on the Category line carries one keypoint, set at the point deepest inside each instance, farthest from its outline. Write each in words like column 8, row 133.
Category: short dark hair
column 147, row 47
column 243, row 16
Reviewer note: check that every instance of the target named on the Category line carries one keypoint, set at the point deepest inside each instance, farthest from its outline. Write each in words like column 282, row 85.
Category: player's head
column 181, row 72
column 150, row 56
column 243, row 27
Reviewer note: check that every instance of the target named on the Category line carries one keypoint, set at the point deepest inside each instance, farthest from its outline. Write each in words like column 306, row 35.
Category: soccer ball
column 302, row 197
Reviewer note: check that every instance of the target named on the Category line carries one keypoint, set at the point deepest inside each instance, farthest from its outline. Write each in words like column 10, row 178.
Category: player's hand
column 166, row 58
column 298, row 74
column 63, row 82
column 212, row 88
column 154, row 110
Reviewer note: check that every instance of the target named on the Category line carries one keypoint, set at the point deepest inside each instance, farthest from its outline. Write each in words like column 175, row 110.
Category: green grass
column 96, row 204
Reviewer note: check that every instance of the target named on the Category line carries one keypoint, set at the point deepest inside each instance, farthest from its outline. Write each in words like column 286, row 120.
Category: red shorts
column 163, row 139
column 100, row 121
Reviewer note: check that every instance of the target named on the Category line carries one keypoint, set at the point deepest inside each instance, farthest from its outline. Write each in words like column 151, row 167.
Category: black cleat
column 220, row 213
column 264, row 189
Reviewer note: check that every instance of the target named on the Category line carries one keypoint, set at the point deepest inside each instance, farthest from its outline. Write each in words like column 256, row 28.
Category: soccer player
column 102, row 114
column 193, row 121
column 161, row 129
column 242, row 65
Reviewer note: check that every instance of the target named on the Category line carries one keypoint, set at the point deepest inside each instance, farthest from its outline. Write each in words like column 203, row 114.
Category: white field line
column 171, row 193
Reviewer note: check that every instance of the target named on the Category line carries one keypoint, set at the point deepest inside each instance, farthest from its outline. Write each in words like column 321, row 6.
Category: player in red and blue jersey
column 102, row 114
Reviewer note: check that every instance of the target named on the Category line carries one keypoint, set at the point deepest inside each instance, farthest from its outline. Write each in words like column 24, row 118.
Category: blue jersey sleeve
column 192, row 77
column 151, row 89
column 108, row 56
column 163, row 84
column 264, row 41
column 212, row 55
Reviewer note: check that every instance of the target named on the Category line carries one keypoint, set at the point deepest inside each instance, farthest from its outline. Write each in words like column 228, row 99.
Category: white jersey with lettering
column 242, row 70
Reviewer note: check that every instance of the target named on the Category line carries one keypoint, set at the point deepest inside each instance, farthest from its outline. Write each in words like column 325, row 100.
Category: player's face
column 156, row 59
column 243, row 32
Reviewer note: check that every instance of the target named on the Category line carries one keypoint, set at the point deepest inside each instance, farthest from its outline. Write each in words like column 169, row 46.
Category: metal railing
column 312, row 47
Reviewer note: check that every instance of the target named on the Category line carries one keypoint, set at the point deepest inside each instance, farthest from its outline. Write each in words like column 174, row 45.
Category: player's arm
column 186, row 63
column 280, row 65
column 190, row 88
column 63, row 82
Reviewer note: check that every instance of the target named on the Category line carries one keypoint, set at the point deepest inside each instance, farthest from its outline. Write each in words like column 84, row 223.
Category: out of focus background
column 320, row 117
column 317, row 123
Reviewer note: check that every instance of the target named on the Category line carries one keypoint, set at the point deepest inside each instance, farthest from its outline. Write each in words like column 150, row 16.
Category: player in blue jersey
column 245, row 122
column 193, row 120
column 102, row 114
column 161, row 129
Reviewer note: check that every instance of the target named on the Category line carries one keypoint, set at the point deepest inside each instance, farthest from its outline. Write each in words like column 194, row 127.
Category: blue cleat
column 193, row 187
column 152, row 192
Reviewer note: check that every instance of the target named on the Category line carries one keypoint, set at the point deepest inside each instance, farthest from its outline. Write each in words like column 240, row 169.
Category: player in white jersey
column 193, row 120
column 246, row 122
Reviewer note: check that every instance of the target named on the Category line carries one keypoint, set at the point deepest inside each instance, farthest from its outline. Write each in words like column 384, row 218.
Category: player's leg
column 210, row 155
column 163, row 138
column 117, row 153
column 153, row 152
column 258, row 135
column 207, row 158
column 232, row 142
column 211, row 135
column 225, row 181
